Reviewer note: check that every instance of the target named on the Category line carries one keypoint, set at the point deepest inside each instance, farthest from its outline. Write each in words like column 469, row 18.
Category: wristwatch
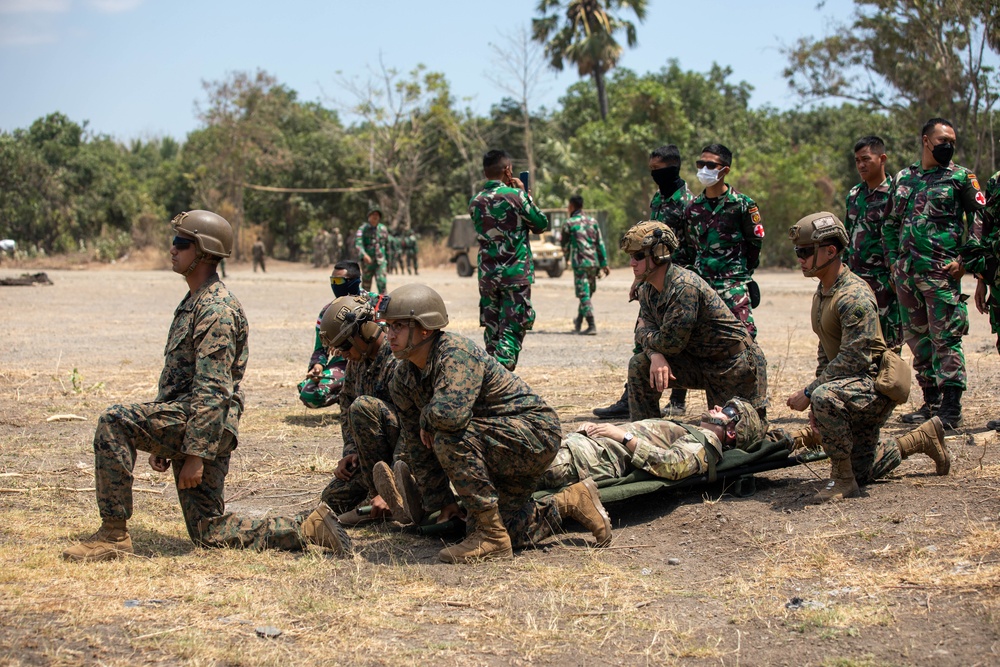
column 627, row 438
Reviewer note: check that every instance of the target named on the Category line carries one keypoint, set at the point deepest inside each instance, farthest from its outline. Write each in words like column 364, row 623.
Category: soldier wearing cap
column 372, row 242
column 847, row 412
column 192, row 424
column 687, row 334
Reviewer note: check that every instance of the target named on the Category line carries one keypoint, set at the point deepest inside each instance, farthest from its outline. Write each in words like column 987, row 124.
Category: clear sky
column 133, row 68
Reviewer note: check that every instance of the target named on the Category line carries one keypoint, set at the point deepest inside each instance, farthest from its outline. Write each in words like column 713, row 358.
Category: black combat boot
column 577, row 321
column 677, row 407
column 618, row 409
column 950, row 412
column 591, row 327
column 932, row 401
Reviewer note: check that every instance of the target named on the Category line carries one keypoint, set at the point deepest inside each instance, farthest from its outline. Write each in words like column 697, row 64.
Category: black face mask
column 667, row 179
column 347, row 288
column 943, row 153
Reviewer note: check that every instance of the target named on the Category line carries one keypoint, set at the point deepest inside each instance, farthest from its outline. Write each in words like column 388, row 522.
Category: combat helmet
column 212, row 233
column 375, row 209
column 750, row 428
column 818, row 229
column 346, row 317
column 415, row 302
column 651, row 236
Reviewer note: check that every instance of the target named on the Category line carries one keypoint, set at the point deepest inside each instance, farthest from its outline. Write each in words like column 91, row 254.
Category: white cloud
column 112, row 6
column 34, row 6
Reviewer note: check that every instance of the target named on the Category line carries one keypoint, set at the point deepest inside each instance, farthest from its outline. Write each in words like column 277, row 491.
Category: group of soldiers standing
column 380, row 251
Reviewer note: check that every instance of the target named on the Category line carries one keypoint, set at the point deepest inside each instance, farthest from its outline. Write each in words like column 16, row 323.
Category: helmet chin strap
column 410, row 348
column 809, row 273
column 194, row 264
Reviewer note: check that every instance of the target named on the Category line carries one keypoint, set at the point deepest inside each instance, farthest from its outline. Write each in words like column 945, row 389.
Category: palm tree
column 586, row 37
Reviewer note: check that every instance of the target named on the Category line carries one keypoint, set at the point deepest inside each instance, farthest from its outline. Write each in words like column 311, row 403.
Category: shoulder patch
column 758, row 229
column 980, row 198
column 975, row 181
column 754, row 215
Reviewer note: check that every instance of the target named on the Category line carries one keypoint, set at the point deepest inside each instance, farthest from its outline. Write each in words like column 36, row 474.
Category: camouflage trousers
column 889, row 316
column 324, row 392
column 506, row 313
column 585, row 284
column 259, row 261
column 580, row 456
column 737, row 297
column 374, row 426
column 495, row 462
column 743, row 375
column 158, row 428
column 411, row 263
column 934, row 319
column 993, row 306
column 850, row 414
column 377, row 271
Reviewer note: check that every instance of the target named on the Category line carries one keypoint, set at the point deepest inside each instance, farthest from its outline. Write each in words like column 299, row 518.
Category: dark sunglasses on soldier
column 639, row 256
column 182, row 243
column 701, row 164
column 731, row 412
column 805, row 252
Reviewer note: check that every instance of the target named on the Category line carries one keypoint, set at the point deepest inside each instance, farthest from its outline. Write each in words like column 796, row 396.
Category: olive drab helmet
column 817, row 230
column 415, row 302
column 750, row 428
column 652, row 236
column 212, row 233
column 346, row 317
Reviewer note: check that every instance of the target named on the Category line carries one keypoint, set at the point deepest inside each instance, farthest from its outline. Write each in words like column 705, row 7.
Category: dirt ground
column 905, row 575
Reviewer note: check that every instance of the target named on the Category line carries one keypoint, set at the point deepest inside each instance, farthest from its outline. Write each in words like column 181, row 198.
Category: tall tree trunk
column 602, row 93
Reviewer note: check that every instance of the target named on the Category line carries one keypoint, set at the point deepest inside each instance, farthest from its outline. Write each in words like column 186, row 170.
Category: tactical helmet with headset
column 345, row 318
column 816, row 230
column 744, row 420
column 654, row 239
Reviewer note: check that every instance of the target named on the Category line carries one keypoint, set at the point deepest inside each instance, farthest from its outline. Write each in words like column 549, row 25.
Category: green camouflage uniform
column 866, row 256
column 670, row 210
column 394, row 250
column 323, row 392
column 369, row 425
column 724, row 237
column 410, row 249
column 705, row 345
column 848, row 410
column 196, row 413
column 373, row 240
column 583, row 245
column 504, row 217
column 923, row 233
column 982, row 253
column 493, row 436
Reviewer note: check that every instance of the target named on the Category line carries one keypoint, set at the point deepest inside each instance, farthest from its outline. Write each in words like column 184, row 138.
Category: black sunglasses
column 805, row 252
column 701, row 164
column 731, row 412
column 639, row 256
column 182, row 243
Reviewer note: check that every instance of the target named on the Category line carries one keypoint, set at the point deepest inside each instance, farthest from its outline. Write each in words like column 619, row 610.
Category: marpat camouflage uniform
column 922, row 235
column 849, row 412
column 866, row 256
column 493, row 436
column 369, row 425
column 670, row 210
column 724, row 237
column 373, row 240
column 196, row 413
column 504, row 217
column 705, row 345
column 583, row 245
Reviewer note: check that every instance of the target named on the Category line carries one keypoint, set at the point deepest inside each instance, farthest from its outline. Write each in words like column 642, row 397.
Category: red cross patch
column 758, row 230
column 980, row 198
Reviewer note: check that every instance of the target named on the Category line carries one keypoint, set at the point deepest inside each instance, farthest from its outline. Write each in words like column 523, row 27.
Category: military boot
column 927, row 439
column 591, row 329
column 413, row 503
column 677, row 407
column 109, row 542
column 932, row 401
column 950, row 411
column 582, row 502
column 807, row 438
column 577, row 321
column 617, row 409
column 993, row 424
column 489, row 540
column 841, row 485
column 322, row 529
column 385, row 484
column 354, row 517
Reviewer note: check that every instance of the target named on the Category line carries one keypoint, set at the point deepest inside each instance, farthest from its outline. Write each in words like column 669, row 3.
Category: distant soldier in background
column 258, row 252
column 334, row 244
column 319, row 249
column 583, row 247
column 411, row 249
column 393, row 250
column 373, row 246
column 868, row 205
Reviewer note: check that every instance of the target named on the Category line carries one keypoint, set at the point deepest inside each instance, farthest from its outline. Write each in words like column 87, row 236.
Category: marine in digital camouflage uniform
column 922, row 234
column 868, row 206
column 504, row 215
column 372, row 242
column 583, row 246
column 686, row 331
column 192, row 425
column 847, row 410
column 467, row 420
column 724, row 235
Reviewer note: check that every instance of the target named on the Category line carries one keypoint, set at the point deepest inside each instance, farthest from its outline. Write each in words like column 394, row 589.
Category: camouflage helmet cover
column 347, row 316
column 375, row 209
column 212, row 233
column 818, row 229
column 649, row 234
column 750, row 428
column 416, row 302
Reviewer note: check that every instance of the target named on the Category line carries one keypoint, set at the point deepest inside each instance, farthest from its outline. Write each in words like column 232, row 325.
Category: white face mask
column 708, row 176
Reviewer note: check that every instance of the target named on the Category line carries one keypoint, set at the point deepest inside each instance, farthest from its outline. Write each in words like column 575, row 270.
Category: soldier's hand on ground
column 427, row 439
column 449, row 512
column 346, row 467
column 380, row 508
column 660, row 374
column 603, row 431
column 158, row 463
column 955, row 269
column 798, row 401
column 981, row 296
column 191, row 472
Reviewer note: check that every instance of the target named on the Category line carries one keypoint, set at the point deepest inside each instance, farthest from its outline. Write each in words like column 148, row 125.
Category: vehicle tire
column 555, row 270
column 464, row 266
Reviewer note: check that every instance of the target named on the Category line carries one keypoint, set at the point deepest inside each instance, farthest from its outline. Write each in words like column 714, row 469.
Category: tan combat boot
column 489, row 540
column 582, row 502
column 927, row 439
column 385, row 484
column 109, row 542
column 322, row 529
column 841, row 485
column 807, row 438
column 354, row 517
column 413, row 503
